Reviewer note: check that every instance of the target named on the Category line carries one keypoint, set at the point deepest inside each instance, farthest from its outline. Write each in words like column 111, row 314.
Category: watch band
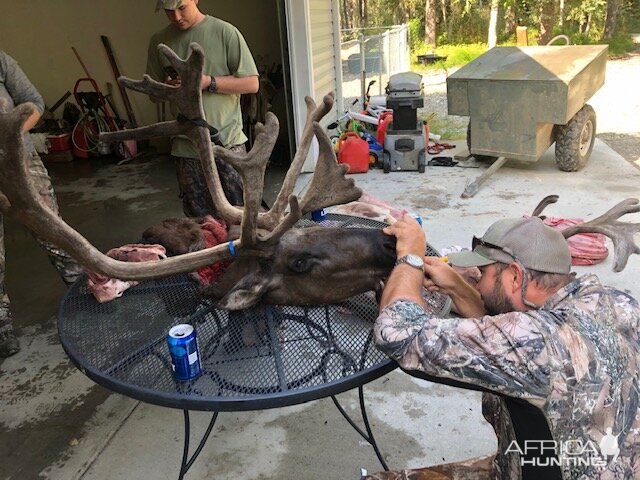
column 213, row 87
column 411, row 260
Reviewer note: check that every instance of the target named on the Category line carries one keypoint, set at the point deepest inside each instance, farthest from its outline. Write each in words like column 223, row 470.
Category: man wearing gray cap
column 229, row 71
column 562, row 352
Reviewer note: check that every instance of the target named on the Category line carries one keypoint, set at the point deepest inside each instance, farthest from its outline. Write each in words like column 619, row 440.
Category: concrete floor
column 57, row 424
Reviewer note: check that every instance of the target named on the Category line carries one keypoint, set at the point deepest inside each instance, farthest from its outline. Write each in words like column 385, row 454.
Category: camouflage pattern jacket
column 576, row 359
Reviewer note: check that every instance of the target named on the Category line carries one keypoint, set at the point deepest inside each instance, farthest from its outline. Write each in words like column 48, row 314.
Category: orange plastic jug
column 353, row 151
column 383, row 124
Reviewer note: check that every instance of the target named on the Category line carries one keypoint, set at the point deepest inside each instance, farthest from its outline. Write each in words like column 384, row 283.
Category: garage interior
column 110, row 202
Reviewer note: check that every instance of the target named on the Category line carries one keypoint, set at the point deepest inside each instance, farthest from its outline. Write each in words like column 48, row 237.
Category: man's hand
column 176, row 82
column 439, row 276
column 410, row 238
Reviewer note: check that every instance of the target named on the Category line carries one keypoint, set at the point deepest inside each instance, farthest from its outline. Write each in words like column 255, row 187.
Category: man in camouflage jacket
column 15, row 89
column 533, row 334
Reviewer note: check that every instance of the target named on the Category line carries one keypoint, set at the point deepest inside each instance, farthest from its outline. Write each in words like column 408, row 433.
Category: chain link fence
column 372, row 55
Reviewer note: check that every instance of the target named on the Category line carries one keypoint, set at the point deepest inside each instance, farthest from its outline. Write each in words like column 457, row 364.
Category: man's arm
column 503, row 353
column 21, row 90
column 32, row 121
column 407, row 282
column 443, row 278
column 231, row 85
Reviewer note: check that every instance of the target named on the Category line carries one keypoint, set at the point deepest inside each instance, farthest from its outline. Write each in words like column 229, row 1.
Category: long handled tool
column 116, row 73
column 96, row 101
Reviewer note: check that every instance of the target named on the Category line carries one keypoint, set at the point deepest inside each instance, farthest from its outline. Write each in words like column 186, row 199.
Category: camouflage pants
column 69, row 270
column 196, row 199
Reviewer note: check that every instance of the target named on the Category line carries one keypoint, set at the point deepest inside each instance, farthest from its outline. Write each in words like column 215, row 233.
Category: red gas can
column 354, row 151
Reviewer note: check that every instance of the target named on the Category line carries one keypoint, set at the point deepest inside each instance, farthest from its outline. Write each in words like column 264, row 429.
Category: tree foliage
column 467, row 21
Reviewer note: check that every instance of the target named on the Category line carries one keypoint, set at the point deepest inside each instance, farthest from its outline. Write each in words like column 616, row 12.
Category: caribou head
column 272, row 262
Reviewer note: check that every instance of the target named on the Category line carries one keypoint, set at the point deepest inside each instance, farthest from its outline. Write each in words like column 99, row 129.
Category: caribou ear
column 246, row 293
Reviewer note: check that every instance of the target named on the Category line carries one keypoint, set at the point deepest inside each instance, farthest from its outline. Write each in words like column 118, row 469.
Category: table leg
column 368, row 436
column 186, row 461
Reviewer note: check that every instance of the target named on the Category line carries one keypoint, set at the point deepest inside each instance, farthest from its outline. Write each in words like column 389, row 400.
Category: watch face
column 413, row 260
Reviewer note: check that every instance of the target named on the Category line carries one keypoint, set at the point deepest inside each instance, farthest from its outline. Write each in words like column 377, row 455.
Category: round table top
column 265, row 357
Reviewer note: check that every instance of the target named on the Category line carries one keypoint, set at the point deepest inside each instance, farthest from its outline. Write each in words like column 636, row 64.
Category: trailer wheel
column 422, row 161
column 480, row 158
column 386, row 162
column 574, row 141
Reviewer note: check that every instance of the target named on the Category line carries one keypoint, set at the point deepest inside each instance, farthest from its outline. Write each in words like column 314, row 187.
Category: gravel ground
column 616, row 104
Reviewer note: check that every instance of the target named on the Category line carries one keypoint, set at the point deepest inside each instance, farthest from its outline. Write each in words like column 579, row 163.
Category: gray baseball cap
column 168, row 4
column 528, row 240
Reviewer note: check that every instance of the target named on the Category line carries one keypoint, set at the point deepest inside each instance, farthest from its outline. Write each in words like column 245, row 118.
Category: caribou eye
column 301, row 264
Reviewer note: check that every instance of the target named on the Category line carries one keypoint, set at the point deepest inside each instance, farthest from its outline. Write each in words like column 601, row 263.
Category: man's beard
column 497, row 302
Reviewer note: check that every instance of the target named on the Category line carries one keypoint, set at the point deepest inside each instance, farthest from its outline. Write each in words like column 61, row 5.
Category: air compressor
column 404, row 141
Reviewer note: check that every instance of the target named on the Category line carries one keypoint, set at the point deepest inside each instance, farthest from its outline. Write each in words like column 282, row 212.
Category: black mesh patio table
column 265, row 357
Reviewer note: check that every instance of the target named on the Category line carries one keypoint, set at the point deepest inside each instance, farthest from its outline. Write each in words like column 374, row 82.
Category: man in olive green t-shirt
column 229, row 71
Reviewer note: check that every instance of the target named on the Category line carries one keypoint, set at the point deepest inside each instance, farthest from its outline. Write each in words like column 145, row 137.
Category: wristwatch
column 212, row 88
column 412, row 260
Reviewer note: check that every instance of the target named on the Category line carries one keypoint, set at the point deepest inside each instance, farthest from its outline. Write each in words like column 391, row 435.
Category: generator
column 404, row 142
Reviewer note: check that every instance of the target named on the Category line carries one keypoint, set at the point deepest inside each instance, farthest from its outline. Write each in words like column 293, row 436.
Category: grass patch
column 449, row 128
column 456, row 55
column 621, row 45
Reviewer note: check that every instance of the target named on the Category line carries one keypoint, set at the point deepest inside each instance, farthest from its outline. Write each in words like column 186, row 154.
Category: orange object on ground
column 354, row 151
column 383, row 124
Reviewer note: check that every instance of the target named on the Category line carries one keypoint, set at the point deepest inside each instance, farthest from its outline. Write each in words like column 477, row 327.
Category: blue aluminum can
column 318, row 215
column 184, row 351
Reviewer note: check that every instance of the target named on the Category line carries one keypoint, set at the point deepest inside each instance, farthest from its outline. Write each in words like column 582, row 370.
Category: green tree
column 430, row 15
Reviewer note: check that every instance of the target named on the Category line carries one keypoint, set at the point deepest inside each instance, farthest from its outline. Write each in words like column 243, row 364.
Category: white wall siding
column 314, row 49
column 323, row 52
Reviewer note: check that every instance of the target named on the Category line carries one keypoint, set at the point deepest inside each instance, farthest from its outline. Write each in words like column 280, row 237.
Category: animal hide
column 177, row 235
column 105, row 288
column 367, row 206
column 585, row 248
column 214, row 233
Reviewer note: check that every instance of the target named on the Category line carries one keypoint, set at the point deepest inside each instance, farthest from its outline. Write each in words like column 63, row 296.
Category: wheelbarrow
column 520, row 100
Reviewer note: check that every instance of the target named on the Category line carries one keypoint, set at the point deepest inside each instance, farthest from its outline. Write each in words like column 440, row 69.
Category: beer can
column 318, row 215
column 417, row 217
column 184, row 351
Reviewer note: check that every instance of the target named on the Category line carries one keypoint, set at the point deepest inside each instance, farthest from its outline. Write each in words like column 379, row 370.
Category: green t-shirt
column 226, row 53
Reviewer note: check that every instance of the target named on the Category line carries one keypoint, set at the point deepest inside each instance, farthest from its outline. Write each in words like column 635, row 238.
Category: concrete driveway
column 57, row 424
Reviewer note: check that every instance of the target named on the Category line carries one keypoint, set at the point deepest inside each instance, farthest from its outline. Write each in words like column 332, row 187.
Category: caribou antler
column 620, row 233
column 544, row 203
column 20, row 200
column 188, row 99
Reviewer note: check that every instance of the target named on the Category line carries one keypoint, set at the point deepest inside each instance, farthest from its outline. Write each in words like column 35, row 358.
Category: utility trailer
column 520, row 100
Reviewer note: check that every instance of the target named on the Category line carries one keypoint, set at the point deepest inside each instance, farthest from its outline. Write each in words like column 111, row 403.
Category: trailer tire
column 480, row 158
column 422, row 161
column 574, row 141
